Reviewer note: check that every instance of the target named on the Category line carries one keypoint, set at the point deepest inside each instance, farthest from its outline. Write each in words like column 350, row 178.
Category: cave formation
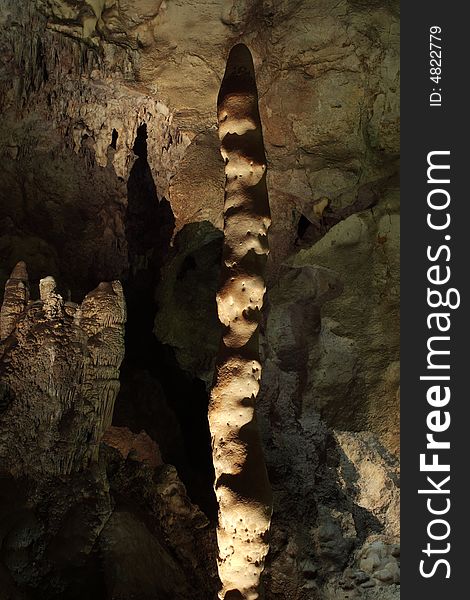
column 136, row 424
column 71, row 355
column 241, row 480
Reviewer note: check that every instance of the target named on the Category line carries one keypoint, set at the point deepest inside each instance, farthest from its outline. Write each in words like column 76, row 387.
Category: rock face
column 107, row 532
column 59, row 366
column 140, row 446
column 363, row 251
column 241, row 482
column 186, row 297
column 110, row 170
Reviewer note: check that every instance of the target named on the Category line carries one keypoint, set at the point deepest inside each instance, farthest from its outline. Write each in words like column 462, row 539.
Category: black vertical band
column 435, row 329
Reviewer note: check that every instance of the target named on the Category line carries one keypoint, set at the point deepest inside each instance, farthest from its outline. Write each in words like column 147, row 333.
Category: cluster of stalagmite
column 241, row 481
column 59, row 373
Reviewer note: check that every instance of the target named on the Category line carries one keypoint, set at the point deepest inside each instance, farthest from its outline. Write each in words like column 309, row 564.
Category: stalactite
column 241, row 483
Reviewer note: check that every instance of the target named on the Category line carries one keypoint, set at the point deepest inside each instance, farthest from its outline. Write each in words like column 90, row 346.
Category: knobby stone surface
column 59, row 367
column 241, row 481
column 110, row 170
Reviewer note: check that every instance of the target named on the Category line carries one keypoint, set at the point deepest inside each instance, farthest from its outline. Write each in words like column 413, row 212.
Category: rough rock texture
column 186, row 298
column 357, row 387
column 140, row 445
column 241, row 482
column 119, row 529
column 59, row 368
column 178, row 535
column 110, row 170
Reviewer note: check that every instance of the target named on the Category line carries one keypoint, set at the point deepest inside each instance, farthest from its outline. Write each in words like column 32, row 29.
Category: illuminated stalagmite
column 59, row 374
column 241, row 483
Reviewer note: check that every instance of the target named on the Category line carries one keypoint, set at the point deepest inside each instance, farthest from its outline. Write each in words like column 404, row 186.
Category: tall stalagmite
column 241, row 481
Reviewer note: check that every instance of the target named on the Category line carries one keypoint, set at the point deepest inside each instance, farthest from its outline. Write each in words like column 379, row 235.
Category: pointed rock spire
column 15, row 299
column 241, row 482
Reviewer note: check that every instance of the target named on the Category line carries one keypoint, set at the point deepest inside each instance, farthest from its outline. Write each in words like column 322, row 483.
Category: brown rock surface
column 59, row 366
column 109, row 150
column 139, row 445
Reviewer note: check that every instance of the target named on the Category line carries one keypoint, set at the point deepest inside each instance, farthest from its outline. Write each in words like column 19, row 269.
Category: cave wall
column 110, row 170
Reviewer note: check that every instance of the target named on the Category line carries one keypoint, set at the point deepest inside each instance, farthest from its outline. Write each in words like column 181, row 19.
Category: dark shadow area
column 62, row 214
column 34, row 545
column 148, row 223
column 322, row 494
column 302, row 226
column 156, row 394
column 114, row 138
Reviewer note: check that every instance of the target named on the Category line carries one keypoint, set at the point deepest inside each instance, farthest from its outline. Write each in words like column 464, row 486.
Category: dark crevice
column 302, row 226
column 114, row 138
column 140, row 143
column 156, row 395
column 309, row 232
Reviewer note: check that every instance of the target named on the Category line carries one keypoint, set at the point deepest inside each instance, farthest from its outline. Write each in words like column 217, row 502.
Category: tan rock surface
column 59, row 365
column 78, row 81
column 241, row 482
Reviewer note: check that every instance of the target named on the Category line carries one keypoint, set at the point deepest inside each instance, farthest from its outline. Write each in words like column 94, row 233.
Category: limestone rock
column 50, row 530
column 15, row 300
column 372, row 475
column 136, row 565
column 241, row 483
column 186, row 299
column 362, row 250
column 171, row 516
column 78, row 81
column 59, row 369
column 140, row 445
